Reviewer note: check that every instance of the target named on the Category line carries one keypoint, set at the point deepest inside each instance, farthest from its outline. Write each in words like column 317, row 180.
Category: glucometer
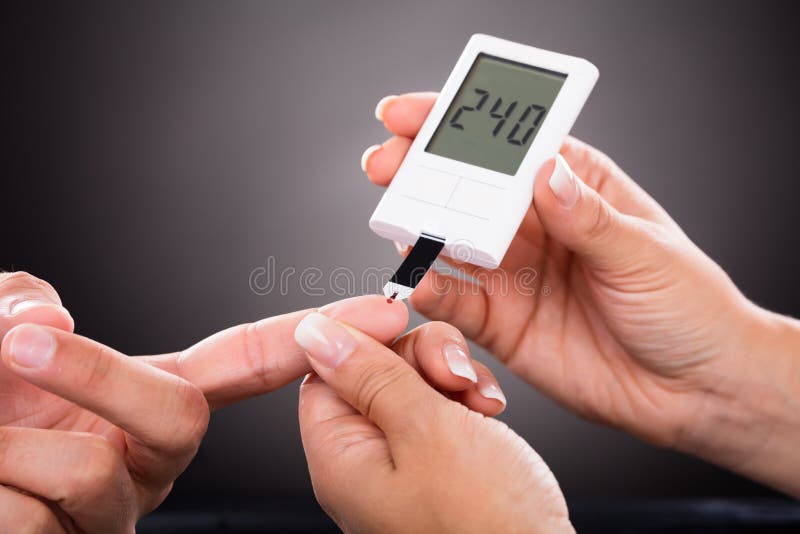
column 467, row 180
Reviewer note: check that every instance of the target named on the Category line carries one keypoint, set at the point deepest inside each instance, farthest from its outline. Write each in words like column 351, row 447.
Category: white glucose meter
column 467, row 180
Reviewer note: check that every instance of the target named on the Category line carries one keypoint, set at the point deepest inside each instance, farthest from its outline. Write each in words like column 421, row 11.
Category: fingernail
column 23, row 305
column 324, row 340
column 312, row 378
column 31, row 346
column 365, row 156
column 563, row 183
column 381, row 107
column 401, row 248
column 487, row 388
column 458, row 362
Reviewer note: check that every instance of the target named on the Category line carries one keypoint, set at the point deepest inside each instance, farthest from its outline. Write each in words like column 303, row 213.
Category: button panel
column 475, row 198
column 427, row 185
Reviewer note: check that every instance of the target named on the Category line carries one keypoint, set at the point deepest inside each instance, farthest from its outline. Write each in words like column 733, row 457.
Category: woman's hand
column 388, row 453
column 91, row 440
column 640, row 329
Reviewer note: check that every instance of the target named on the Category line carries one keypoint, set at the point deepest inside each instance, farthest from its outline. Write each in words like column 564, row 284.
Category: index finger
column 252, row 359
column 403, row 115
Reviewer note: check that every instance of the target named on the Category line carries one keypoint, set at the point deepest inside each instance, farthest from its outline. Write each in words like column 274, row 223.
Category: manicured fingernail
column 458, row 362
column 324, row 339
column 490, row 390
column 563, row 183
column 381, row 107
column 31, row 346
column 365, row 156
column 401, row 248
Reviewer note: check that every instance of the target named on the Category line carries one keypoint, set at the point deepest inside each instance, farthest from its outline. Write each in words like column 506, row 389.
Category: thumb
column 370, row 377
column 27, row 299
column 577, row 216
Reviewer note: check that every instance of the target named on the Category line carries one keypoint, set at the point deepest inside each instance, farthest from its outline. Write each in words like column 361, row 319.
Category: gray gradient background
column 155, row 154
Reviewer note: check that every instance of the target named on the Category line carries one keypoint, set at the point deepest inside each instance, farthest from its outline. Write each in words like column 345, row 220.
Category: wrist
column 749, row 418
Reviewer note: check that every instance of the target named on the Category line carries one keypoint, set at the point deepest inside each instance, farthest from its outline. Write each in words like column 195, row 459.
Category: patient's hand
column 388, row 453
column 628, row 322
column 91, row 440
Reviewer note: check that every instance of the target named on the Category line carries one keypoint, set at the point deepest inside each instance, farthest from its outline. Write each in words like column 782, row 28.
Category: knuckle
column 447, row 331
column 193, row 415
column 660, row 244
column 401, row 344
column 600, row 167
column 430, row 338
column 601, row 221
column 325, row 498
column 97, row 472
column 441, row 328
column 39, row 519
column 373, row 382
column 5, row 442
column 97, row 368
column 659, row 237
column 20, row 281
column 260, row 365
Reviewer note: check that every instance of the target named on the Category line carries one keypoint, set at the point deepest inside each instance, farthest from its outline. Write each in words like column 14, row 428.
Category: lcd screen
column 496, row 114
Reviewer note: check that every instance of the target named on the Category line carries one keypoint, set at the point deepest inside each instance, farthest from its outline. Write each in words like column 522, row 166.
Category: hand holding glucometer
column 621, row 317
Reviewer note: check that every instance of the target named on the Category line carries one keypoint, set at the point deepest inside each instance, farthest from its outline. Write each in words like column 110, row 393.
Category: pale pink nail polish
column 325, row 340
column 366, row 155
column 381, row 107
column 490, row 390
column 564, row 184
column 458, row 362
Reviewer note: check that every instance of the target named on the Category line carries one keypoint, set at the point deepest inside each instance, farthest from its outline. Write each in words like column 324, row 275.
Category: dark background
column 156, row 153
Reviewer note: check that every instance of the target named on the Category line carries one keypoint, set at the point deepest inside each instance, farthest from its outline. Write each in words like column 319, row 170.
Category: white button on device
column 427, row 185
column 475, row 198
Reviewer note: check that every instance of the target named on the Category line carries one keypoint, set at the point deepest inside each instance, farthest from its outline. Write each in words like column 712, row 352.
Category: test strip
column 414, row 267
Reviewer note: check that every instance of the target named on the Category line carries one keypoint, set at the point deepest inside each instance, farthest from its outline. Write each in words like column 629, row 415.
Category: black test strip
column 418, row 261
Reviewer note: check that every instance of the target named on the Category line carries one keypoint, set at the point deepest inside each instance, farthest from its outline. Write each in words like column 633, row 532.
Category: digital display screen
column 496, row 114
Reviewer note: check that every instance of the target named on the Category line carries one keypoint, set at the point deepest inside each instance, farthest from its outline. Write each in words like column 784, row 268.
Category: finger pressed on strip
column 256, row 358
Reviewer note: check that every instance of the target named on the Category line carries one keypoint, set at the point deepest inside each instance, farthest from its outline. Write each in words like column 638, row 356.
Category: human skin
column 641, row 330
column 91, row 440
column 388, row 453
